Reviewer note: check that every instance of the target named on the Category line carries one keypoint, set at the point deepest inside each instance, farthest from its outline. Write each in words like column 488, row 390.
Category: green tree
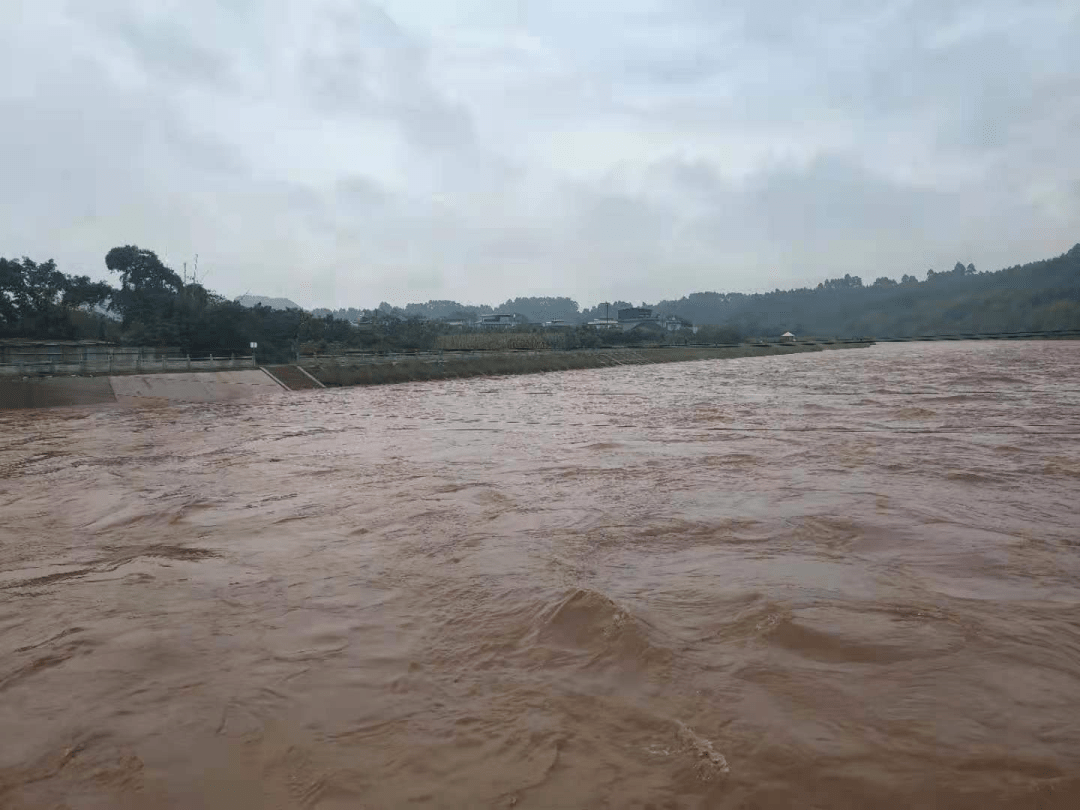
column 148, row 291
column 80, row 292
column 718, row 334
column 12, row 292
column 34, row 298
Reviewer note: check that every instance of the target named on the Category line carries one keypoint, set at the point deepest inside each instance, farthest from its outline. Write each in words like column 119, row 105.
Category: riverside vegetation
column 154, row 305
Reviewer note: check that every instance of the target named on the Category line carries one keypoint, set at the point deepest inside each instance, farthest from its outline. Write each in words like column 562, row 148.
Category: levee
column 205, row 386
column 53, row 392
column 407, row 367
column 136, row 389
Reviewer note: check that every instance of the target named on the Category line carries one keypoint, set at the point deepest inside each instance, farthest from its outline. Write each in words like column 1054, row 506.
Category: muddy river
column 832, row 580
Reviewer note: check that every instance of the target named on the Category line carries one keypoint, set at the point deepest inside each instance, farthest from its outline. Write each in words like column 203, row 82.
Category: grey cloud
column 828, row 217
column 85, row 148
column 357, row 57
column 174, row 49
column 169, row 52
column 835, row 199
column 870, row 60
column 359, row 195
column 359, row 61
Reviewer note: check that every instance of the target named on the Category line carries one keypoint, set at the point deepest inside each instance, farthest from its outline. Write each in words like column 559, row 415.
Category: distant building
column 787, row 337
column 674, row 323
column 639, row 319
column 498, row 320
column 558, row 323
column 603, row 323
column 378, row 318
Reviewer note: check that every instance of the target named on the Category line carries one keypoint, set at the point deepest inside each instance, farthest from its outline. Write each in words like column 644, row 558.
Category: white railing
column 124, row 363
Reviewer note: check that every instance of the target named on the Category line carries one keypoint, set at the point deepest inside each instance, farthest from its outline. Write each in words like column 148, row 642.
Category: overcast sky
column 343, row 153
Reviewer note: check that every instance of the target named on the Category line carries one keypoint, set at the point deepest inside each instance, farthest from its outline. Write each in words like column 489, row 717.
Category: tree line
column 152, row 305
column 1042, row 295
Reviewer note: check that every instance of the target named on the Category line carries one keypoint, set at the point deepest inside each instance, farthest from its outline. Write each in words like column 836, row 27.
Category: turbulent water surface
column 834, row 580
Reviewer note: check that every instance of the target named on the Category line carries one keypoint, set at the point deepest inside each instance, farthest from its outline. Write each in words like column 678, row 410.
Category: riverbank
column 135, row 389
column 382, row 370
column 162, row 388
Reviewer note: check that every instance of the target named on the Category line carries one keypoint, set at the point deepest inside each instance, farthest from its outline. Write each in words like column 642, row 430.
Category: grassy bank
column 380, row 371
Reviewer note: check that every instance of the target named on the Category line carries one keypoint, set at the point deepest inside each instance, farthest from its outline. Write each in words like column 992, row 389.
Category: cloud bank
column 345, row 153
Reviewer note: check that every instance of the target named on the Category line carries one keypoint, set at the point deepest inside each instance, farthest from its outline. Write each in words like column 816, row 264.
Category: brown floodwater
column 832, row 580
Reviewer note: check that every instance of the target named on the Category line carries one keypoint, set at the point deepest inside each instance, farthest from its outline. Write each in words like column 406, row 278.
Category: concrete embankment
column 136, row 389
column 403, row 368
column 228, row 386
column 51, row 392
column 206, row 386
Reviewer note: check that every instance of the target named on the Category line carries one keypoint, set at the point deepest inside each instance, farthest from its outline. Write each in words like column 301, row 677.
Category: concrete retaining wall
column 137, row 389
column 55, row 392
column 405, row 368
column 207, row 386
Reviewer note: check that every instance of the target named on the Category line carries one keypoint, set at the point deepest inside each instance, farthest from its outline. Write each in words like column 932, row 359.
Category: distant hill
column 273, row 303
column 1042, row 295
